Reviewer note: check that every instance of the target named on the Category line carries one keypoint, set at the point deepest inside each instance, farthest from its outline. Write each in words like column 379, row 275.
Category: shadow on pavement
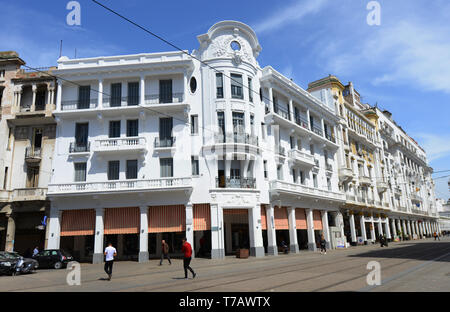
column 419, row 251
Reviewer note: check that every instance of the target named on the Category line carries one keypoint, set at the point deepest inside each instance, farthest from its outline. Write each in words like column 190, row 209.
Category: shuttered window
column 133, row 128
column 116, row 94
column 114, row 129
column 132, row 169
column 165, row 91
column 80, row 172
column 236, row 86
column 166, row 165
column 263, row 217
column 317, row 220
column 133, row 93
column 113, row 170
column 219, row 86
column 84, row 97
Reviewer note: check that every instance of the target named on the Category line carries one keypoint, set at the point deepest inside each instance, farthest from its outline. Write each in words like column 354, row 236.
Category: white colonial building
column 206, row 145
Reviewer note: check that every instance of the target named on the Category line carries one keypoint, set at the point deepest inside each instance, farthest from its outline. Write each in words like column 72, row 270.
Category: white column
column 363, row 227
column 372, row 230
column 419, row 224
column 143, row 235
column 271, row 110
column 380, row 227
column 255, row 231
column 394, row 230
column 217, row 239
column 33, row 101
column 98, row 236
column 190, row 227
column 308, row 119
column 326, row 228
column 399, row 226
column 10, row 232
column 54, row 225
column 408, row 224
column 59, row 96
column 405, row 231
column 387, row 229
column 100, row 94
column 292, row 230
column 291, row 110
column 323, row 126
column 272, row 248
column 311, row 236
column 352, row 228
column 142, row 90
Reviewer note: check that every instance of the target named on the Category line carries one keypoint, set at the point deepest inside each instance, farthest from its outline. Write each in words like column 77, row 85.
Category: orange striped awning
column 281, row 218
column 202, row 217
column 263, row 217
column 236, row 215
column 300, row 219
column 317, row 220
column 164, row 219
column 122, row 220
column 78, row 222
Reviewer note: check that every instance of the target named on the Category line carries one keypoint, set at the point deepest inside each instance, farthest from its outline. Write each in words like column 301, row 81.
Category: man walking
column 110, row 253
column 164, row 252
column 35, row 251
column 187, row 251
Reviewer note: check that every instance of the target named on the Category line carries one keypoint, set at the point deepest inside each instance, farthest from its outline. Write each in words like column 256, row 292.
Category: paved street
column 406, row 266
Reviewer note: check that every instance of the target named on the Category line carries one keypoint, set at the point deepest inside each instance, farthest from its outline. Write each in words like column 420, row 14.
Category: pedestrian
column 164, row 252
column 323, row 244
column 35, row 251
column 110, row 253
column 187, row 251
column 435, row 235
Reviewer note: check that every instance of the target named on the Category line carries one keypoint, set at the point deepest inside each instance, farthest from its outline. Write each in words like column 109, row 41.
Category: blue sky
column 403, row 64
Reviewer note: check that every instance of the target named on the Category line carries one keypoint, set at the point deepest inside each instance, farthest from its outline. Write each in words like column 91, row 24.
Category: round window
column 235, row 45
column 193, row 84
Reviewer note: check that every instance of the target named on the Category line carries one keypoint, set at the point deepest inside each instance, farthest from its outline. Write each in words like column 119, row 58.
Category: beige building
column 27, row 135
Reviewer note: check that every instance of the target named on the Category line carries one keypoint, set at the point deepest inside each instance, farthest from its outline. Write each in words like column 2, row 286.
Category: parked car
column 53, row 258
column 12, row 263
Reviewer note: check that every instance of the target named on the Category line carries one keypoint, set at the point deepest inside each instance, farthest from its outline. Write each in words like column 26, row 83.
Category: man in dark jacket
column 164, row 252
column 187, row 251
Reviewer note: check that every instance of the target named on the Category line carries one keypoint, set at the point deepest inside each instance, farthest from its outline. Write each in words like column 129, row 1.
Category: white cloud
column 436, row 146
column 407, row 52
column 292, row 13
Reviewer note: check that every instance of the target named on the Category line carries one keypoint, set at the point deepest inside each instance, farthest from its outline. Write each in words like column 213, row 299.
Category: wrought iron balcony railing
column 164, row 142
column 121, row 101
column 79, row 104
column 79, row 147
column 235, row 182
column 164, row 98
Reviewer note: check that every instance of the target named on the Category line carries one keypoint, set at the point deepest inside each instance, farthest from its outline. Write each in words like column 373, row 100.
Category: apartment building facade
column 206, row 145
column 27, row 136
column 382, row 198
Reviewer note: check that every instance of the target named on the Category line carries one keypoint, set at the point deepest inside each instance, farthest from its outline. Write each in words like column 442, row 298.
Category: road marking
column 401, row 274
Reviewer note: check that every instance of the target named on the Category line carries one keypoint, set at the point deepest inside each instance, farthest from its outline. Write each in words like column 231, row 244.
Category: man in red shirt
column 187, row 251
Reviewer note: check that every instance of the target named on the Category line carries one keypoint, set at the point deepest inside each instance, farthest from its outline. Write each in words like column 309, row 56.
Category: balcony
column 282, row 112
column 120, row 145
column 397, row 191
column 402, row 209
column 370, row 202
column 163, row 103
column 351, row 198
column 120, row 101
column 81, row 148
column 4, row 196
column 235, row 182
column 301, row 121
column 361, row 199
column 120, row 186
column 163, row 143
column 382, row 185
column 317, row 130
column 29, row 194
column 301, row 158
column 330, row 137
column 329, row 167
column 283, row 187
column 415, row 198
column 75, row 105
column 345, row 174
column 365, row 180
column 32, row 155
